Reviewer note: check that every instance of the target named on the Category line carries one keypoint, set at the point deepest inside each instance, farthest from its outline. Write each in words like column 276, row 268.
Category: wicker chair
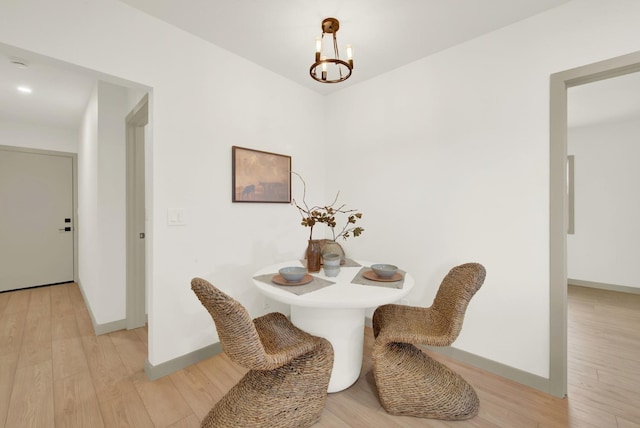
column 289, row 370
column 410, row 382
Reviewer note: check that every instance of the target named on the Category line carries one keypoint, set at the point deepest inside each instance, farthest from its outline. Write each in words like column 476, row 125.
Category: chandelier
column 332, row 70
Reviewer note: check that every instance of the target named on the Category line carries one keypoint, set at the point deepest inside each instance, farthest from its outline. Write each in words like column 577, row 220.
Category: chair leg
column 411, row 383
column 290, row 396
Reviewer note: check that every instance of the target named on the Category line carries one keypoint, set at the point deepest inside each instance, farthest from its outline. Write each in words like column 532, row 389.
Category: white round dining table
column 335, row 310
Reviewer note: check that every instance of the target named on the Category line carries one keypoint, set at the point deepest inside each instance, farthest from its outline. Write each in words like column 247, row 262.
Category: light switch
column 176, row 217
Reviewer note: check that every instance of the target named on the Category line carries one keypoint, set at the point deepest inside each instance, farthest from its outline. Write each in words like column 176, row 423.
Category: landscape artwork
column 260, row 176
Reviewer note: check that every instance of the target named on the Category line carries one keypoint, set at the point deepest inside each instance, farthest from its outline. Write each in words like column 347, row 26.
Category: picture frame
column 259, row 176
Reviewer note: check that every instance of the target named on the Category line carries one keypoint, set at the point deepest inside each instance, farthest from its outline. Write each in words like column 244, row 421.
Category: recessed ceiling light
column 25, row 89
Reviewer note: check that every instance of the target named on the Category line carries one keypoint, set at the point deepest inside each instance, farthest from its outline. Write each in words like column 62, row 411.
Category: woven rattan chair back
column 237, row 333
column 289, row 369
column 409, row 381
column 455, row 292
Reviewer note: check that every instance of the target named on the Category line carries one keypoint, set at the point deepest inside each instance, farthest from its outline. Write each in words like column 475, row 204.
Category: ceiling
column 60, row 92
column 279, row 36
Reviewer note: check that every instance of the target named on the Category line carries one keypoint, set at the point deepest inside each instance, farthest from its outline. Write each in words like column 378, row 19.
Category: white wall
column 36, row 136
column 89, row 233
column 201, row 105
column 605, row 247
column 101, row 203
column 112, row 111
column 459, row 141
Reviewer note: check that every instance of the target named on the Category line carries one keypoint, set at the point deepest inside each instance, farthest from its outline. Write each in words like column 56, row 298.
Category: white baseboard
column 100, row 329
column 181, row 362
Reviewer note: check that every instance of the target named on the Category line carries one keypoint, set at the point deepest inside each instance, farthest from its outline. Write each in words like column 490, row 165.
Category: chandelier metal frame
column 330, row 26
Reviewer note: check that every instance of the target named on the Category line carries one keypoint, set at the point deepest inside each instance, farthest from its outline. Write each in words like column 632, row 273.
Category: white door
column 36, row 219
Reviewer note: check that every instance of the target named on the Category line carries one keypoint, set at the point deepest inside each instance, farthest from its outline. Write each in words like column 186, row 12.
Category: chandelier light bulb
column 323, row 61
column 318, row 48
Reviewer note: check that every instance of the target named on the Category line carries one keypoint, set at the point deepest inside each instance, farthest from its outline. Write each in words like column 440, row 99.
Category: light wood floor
column 55, row 372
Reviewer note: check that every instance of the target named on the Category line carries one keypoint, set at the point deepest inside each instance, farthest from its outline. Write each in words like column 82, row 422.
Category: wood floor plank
column 143, row 334
column 83, row 318
column 68, row 357
column 190, row 421
column 40, row 301
column 381, row 418
column 75, row 295
column 63, row 327
column 330, row 420
column 221, row 372
column 198, row 391
column 624, row 423
column 4, row 301
column 598, row 398
column 36, row 342
column 34, row 352
column 31, row 403
column 8, row 365
column 344, row 410
column 582, row 414
column 162, row 400
column 121, row 406
column 494, row 412
column 586, row 369
column 61, row 304
column 12, row 326
column 105, row 364
column 133, row 352
column 38, row 323
column 18, row 301
column 604, row 335
column 364, row 391
column 76, row 404
column 622, row 379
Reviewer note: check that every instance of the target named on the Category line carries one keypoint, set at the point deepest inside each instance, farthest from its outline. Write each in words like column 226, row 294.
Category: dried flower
column 327, row 215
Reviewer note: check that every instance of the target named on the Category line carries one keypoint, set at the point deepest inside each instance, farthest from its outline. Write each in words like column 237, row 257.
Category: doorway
column 603, row 135
column 136, row 123
column 37, row 231
column 558, row 203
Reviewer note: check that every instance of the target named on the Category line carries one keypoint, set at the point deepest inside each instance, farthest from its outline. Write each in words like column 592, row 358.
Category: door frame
column 74, row 184
column 558, row 203
column 136, row 121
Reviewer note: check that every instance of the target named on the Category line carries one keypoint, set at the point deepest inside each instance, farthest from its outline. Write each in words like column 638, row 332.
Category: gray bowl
column 293, row 273
column 384, row 270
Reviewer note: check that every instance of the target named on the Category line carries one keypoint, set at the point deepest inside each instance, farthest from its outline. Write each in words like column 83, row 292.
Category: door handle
column 66, row 229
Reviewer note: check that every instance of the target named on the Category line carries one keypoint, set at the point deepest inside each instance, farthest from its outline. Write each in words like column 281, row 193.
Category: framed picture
column 260, row 176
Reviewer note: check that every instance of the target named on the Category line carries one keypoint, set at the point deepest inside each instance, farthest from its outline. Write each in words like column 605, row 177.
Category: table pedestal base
column 344, row 328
